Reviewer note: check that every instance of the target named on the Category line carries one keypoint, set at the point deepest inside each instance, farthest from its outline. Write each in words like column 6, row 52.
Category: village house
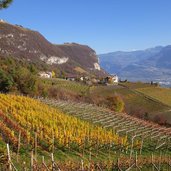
column 45, row 74
column 81, row 78
column 71, row 77
column 113, row 79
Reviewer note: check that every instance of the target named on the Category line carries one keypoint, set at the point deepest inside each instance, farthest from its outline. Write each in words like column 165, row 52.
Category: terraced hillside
column 73, row 132
column 151, row 137
column 29, row 125
column 137, row 103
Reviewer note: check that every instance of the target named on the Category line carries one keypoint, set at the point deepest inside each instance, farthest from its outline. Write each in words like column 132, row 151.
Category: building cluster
column 109, row 80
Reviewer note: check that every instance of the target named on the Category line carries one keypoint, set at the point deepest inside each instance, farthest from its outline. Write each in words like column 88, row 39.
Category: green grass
column 163, row 96
column 60, row 157
column 135, row 85
column 73, row 86
column 158, row 93
column 133, row 100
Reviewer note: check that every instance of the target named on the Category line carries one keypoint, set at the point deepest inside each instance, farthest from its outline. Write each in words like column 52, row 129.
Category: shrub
column 25, row 80
column 160, row 119
column 6, row 82
column 116, row 103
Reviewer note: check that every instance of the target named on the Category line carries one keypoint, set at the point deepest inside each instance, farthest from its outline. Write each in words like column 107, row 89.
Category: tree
column 5, row 3
column 25, row 80
column 53, row 74
column 146, row 116
column 6, row 82
column 116, row 103
column 160, row 119
column 32, row 69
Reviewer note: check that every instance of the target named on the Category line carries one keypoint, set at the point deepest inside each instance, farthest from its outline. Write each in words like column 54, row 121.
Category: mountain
column 152, row 64
column 116, row 61
column 71, row 58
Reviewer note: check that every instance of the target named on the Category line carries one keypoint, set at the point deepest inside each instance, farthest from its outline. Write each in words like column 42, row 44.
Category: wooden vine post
column 19, row 141
column 11, row 166
column 24, row 166
column 53, row 142
column 82, row 165
column 132, row 145
column 53, row 162
column 136, row 162
column 44, row 164
column 35, row 145
column 9, row 158
column 32, row 161
column 142, row 141
column 118, row 164
column 153, row 163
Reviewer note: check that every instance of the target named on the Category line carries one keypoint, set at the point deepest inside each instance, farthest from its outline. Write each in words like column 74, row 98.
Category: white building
column 81, row 78
column 45, row 74
column 112, row 79
column 115, row 79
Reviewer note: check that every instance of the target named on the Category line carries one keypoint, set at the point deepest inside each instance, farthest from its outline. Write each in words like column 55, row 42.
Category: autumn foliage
column 116, row 103
column 54, row 129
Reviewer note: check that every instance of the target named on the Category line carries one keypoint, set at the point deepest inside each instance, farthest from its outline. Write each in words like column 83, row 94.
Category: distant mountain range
column 70, row 58
column 152, row 64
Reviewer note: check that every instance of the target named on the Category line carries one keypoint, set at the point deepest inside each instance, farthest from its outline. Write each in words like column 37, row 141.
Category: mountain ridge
column 23, row 43
column 152, row 64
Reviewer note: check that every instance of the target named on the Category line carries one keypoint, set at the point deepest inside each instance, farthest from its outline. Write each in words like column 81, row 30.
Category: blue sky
column 104, row 25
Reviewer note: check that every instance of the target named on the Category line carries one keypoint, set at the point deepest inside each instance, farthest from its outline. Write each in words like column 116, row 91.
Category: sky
column 104, row 25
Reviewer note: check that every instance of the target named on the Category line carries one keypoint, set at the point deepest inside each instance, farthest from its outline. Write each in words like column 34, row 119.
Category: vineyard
column 147, row 135
column 67, row 85
column 143, row 138
column 62, row 135
column 27, row 124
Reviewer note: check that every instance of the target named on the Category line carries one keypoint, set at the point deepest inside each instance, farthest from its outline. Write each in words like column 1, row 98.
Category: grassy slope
column 139, row 98
column 158, row 95
column 161, row 94
column 133, row 101
column 67, row 85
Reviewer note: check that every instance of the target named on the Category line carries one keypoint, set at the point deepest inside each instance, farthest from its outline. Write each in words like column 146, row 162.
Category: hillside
column 141, row 100
column 29, row 116
column 138, row 102
column 22, row 43
column 68, row 137
column 143, row 65
column 158, row 93
column 162, row 95
column 72, row 131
